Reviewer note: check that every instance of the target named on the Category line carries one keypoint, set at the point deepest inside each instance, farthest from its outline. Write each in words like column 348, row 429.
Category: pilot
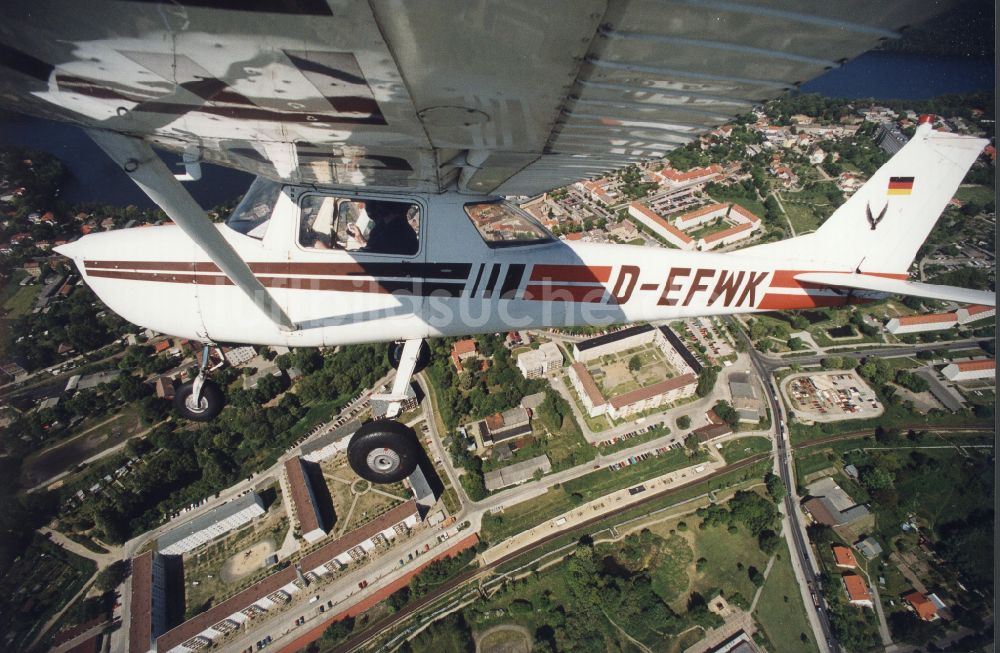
column 391, row 233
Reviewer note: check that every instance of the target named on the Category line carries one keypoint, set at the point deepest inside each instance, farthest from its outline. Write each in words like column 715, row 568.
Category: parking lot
column 831, row 396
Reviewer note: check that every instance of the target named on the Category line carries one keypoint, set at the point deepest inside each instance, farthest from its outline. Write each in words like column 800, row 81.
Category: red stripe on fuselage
column 558, row 293
column 567, row 273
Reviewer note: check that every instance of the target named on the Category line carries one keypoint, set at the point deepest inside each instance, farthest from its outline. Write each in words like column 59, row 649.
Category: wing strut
column 150, row 174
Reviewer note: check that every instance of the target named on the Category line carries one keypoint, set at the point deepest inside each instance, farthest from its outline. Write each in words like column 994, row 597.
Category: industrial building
column 516, row 473
column 538, row 362
column 981, row 368
column 744, row 397
column 829, row 504
column 215, row 523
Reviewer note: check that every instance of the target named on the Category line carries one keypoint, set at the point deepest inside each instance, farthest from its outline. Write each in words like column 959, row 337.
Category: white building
column 612, row 343
column 214, row 523
column 538, row 362
column 238, row 356
column 653, row 396
column 745, row 224
column 920, row 323
column 974, row 313
column 586, row 388
column 661, row 226
column 982, row 368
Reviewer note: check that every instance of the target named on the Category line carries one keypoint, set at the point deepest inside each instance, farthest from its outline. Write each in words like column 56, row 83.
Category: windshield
column 503, row 225
column 254, row 211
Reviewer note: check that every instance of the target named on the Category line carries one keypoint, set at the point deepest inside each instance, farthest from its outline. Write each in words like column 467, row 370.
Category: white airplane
column 385, row 135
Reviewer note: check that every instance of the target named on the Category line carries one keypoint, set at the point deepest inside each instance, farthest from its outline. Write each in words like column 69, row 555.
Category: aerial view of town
column 812, row 480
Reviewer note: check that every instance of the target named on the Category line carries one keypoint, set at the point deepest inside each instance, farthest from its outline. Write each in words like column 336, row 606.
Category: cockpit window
column 254, row 210
column 370, row 226
column 503, row 225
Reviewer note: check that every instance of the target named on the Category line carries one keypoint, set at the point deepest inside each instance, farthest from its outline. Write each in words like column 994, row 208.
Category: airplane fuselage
column 456, row 284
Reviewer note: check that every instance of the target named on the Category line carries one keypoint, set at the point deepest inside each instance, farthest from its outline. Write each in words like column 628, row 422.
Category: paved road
column 793, row 529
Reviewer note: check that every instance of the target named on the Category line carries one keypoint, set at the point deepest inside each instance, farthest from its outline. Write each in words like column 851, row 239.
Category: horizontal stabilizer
column 899, row 287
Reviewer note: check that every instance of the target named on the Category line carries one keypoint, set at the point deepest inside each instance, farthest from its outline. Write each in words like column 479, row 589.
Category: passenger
column 390, row 233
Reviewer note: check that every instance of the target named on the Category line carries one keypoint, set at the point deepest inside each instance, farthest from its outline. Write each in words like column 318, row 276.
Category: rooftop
column 923, row 606
column 661, row 222
column 140, row 623
column 844, row 556
column 588, row 383
column 976, row 365
column 651, row 391
column 302, row 496
column 206, row 520
column 856, row 589
column 590, row 343
column 933, row 318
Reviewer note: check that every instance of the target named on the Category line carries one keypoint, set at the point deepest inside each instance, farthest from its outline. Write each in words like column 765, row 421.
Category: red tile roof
column 576, row 235
column 923, row 605
column 932, row 318
column 856, row 589
column 662, row 222
column 140, row 623
column 976, row 309
column 844, row 557
column 725, row 233
column 305, row 508
column 161, row 346
column 694, row 173
column 348, row 541
column 589, row 385
column 976, row 365
column 651, row 391
column 705, row 210
column 462, row 347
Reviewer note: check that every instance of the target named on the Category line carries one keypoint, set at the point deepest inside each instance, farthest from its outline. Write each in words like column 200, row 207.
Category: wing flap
column 899, row 287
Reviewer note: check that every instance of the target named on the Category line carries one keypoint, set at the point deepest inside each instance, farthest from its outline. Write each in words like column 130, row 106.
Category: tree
column 706, row 380
column 775, row 487
column 768, row 541
column 684, row 422
column 635, row 363
column 112, row 576
column 756, row 577
column 728, row 414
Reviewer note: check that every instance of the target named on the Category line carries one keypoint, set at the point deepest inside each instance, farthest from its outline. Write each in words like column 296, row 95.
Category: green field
column 741, row 448
column 780, row 610
column 977, row 194
column 22, row 301
column 802, row 216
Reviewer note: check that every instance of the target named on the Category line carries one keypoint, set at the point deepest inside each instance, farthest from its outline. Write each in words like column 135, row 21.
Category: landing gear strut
column 384, row 450
column 200, row 400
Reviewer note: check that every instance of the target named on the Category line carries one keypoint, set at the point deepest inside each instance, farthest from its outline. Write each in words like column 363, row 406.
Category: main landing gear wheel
column 208, row 406
column 396, row 354
column 383, row 451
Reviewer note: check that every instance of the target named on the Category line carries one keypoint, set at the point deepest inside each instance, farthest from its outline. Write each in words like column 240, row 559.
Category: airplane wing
column 512, row 98
column 899, row 287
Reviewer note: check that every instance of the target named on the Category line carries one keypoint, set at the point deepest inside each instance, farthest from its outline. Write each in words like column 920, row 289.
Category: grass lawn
column 754, row 206
column 724, row 551
column 812, row 463
column 780, row 611
column 977, row 194
column 22, row 301
column 802, row 216
column 741, row 448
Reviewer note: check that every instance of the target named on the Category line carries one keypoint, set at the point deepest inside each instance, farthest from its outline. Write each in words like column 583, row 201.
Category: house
column 869, row 547
column 844, row 557
column 164, row 387
column 512, row 423
column 857, row 591
column 161, row 347
column 462, row 350
column 922, row 605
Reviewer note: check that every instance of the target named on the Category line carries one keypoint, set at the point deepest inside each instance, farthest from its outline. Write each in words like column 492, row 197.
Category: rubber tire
column 212, row 400
column 383, row 434
column 396, row 353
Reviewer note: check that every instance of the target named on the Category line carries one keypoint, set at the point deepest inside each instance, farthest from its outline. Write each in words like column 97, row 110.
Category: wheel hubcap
column 199, row 407
column 384, row 461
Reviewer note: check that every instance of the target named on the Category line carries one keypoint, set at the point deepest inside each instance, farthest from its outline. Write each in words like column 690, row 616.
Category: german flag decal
column 900, row 186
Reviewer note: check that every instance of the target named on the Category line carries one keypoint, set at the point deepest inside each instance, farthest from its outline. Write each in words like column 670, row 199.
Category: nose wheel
column 383, row 451
column 200, row 400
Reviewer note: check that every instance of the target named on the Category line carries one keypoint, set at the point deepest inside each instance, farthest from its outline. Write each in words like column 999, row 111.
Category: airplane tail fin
column 879, row 229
